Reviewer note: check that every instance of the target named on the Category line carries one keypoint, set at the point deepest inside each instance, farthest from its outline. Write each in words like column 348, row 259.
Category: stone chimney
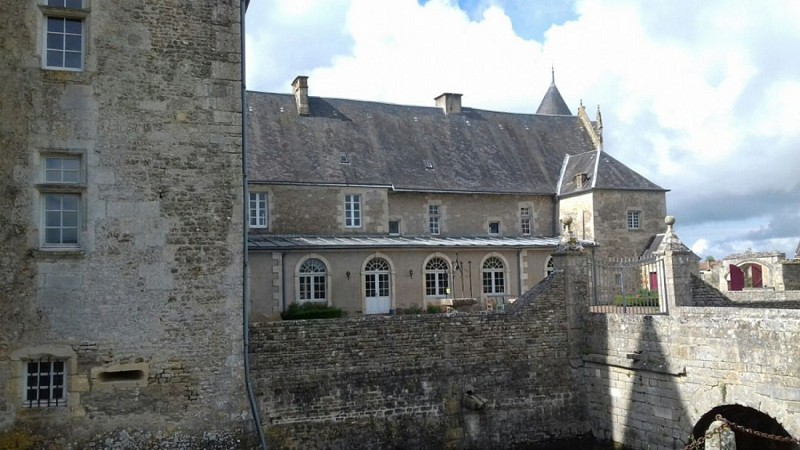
column 451, row 103
column 300, row 90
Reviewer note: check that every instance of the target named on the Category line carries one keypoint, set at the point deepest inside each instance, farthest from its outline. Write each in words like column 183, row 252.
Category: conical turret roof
column 553, row 103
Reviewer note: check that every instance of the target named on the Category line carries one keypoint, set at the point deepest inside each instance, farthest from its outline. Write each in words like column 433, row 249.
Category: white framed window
column 258, row 210
column 352, row 211
column 437, row 276
column 434, row 219
column 64, row 35
column 494, row 228
column 45, row 383
column 61, row 219
column 313, row 285
column 634, row 220
column 493, row 276
column 525, row 220
column 61, row 195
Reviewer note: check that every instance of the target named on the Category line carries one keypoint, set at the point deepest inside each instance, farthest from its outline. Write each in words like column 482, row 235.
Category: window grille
column 45, row 384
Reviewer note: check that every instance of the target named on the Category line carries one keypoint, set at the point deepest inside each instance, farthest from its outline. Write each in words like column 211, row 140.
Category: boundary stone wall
column 495, row 380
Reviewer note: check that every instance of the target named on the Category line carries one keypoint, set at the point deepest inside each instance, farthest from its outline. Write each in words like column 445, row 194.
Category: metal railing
column 628, row 285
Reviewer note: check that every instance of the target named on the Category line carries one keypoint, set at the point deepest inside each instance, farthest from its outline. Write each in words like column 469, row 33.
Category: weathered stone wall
column 469, row 215
column 610, row 221
column 320, row 210
column 791, row 275
column 154, row 287
column 651, row 378
column 757, row 295
column 406, row 381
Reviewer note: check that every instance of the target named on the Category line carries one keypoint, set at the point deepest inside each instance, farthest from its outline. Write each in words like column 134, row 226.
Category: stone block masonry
column 422, row 382
column 145, row 309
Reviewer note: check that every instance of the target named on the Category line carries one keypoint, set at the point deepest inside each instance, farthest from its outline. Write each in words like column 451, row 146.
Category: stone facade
column 601, row 216
column 142, row 303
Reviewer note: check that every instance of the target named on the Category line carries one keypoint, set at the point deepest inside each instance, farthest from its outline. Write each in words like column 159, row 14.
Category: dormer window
column 580, row 180
column 344, row 159
column 428, row 164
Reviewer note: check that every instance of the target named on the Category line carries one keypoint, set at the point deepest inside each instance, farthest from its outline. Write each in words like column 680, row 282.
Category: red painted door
column 758, row 280
column 737, row 278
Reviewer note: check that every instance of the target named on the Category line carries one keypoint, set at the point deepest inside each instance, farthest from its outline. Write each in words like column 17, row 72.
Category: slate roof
column 603, row 172
column 553, row 103
column 474, row 151
column 271, row 242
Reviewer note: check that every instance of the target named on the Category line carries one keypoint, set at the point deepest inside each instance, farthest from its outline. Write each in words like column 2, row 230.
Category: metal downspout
column 245, row 236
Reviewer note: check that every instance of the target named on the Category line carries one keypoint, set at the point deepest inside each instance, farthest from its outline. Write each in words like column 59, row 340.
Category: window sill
column 56, row 253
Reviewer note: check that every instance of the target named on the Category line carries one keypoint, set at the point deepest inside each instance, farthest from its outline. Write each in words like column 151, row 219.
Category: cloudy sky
column 701, row 97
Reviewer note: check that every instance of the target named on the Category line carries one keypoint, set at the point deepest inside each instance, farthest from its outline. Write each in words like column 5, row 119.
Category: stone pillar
column 720, row 437
column 573, row 261
column 679, row 265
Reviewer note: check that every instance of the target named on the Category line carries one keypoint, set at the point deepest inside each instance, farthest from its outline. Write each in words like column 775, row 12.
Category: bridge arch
column 750, row 418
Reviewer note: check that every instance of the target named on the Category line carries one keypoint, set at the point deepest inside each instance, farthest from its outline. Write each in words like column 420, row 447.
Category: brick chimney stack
column 450, row 103
column 300, row 90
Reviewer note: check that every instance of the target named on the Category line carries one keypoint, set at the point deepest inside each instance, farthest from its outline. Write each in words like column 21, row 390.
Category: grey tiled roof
column 553, row 103
column 604, row 172
column 387, row 145
column 271, row 242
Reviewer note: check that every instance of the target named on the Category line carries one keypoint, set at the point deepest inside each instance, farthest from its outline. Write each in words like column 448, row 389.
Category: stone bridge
column 546, row 369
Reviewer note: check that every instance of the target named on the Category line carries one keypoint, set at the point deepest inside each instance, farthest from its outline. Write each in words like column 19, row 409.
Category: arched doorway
column 377, row 289
column 750, row 418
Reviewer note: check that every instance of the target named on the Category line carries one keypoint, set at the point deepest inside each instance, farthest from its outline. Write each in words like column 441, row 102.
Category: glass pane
column 70, row 177
column 52, row 202
column 52, row 163
column 70, row 219
column 55, row 24
column 70, row 202
column 73, row 26
column 52, row 219
column 71, row 164
column 52, row 236
column 73, row 42
column 72, row 60
column 55, row 41
column 70, row 236
column 74, row 4
column 55, row 58
column 56, row 3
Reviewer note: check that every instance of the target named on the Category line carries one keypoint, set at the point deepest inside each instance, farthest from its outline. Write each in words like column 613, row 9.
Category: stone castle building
column 123, row 214
column 121, row 222
column 374, row 207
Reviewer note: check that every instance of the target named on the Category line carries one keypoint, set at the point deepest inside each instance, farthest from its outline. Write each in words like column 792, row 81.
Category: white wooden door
column 376, row 287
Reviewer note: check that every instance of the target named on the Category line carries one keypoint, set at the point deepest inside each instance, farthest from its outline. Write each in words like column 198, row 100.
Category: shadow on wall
column 749, row 418
column 654, row 397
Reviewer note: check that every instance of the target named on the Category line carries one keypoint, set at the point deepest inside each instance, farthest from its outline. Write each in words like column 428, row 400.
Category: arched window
column 549, row 267
column 493, row 274
column 436, row 277
column 313, row 276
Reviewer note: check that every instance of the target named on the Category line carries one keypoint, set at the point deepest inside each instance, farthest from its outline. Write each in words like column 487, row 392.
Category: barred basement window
column 45, row 384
